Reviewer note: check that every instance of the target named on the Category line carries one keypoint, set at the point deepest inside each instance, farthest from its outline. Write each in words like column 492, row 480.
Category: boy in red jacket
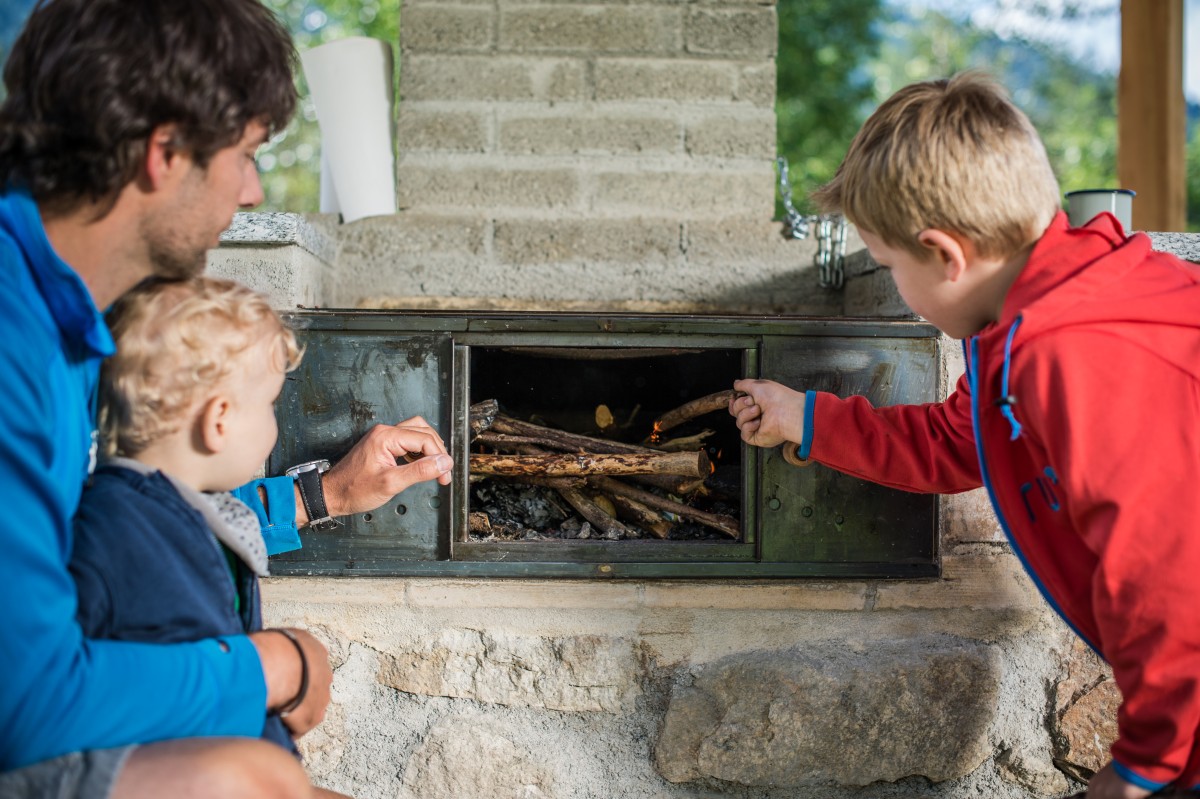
column 1079, row 409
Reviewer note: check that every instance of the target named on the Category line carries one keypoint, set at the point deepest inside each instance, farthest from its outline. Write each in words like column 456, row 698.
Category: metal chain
column 830, row 259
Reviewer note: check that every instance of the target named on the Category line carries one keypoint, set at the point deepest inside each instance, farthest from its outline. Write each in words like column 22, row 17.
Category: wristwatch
column 308, row 478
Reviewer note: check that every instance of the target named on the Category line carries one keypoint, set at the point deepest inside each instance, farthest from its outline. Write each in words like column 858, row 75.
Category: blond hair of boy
column 953, row 154
column 191, row 388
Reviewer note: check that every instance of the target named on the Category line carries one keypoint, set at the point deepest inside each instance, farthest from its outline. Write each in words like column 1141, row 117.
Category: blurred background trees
column 837, row 60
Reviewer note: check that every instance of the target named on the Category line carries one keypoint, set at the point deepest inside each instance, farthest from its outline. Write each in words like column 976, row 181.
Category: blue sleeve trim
column 1136, row 779
column 806, row 439
column 278, row 519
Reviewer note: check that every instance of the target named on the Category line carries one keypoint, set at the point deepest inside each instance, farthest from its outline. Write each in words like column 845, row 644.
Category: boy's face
column 925, row 287
column 252, row 389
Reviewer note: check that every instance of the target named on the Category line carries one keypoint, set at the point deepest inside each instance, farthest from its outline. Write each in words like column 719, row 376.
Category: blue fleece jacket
column 148, row 568
column 60, row 692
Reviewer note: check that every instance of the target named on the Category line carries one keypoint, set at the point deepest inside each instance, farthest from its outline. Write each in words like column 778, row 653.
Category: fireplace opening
column 544, row 405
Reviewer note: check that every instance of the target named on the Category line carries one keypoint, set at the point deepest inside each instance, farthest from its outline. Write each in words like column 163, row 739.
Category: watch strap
column 312, row 494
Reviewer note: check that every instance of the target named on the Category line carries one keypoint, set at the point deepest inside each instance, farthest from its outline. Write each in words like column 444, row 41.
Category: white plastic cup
column 1083, row 205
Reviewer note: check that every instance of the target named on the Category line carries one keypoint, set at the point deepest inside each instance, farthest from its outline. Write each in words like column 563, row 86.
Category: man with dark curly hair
column 127, row 141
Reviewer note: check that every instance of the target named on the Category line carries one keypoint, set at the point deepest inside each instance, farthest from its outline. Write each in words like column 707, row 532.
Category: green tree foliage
column 824, row 91
column 290, row 163
column 888, row 46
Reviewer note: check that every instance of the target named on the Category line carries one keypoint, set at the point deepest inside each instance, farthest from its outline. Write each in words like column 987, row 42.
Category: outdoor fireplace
column 599, row 382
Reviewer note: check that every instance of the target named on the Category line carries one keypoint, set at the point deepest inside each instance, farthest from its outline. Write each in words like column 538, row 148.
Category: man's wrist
column 280, row 666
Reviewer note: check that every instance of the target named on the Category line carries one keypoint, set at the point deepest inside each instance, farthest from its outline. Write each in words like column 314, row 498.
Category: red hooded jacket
column 1080, row 412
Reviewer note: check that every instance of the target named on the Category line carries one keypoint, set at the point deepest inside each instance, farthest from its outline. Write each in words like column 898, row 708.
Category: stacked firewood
column 611, row 484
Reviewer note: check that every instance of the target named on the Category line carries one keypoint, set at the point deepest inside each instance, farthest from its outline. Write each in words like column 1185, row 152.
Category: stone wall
column 570, row 154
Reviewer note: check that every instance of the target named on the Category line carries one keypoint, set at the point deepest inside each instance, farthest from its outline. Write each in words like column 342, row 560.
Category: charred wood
column 636, row 513
column 725, row 524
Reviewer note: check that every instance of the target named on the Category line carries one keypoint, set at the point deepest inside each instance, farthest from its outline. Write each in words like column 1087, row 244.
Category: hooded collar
column 64, row 292
column 1069, row 265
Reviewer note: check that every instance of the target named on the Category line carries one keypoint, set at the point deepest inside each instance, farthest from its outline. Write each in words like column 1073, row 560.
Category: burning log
column 686, row 442
column 725, row 524
column 690, row 410
column 690, row 464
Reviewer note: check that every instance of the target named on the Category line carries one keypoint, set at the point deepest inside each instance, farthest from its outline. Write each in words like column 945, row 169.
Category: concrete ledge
column 314, row 233
column 1184, row 245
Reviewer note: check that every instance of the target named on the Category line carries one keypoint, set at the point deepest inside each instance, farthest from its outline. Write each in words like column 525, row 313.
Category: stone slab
column 823, row 714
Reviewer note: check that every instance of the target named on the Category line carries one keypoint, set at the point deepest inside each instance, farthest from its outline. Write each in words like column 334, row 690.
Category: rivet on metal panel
column 604, row 568
column 367, row 517
column 435, row 502
column 839, row 519
column 806, row 512
column 773, row 503
column 401, row 510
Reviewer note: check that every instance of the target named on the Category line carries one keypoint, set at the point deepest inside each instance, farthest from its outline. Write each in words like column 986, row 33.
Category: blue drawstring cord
column 1007, row 400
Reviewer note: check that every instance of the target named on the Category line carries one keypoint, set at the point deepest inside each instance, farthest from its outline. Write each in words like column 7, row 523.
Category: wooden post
column 1151, row 113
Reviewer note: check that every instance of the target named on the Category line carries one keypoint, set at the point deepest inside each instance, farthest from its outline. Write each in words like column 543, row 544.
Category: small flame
column 656, row 433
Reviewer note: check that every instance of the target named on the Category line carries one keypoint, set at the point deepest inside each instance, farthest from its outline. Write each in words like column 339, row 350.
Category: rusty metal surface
column 364, row 367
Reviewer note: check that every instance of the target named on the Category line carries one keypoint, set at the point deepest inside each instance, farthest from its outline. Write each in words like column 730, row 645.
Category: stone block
column 723, row 596
column 459, row 185
column 873, row 292
column 445, row 28
column 548, row 241
column 462, row 757
column 576, row 132
column 423, row 128
column 583, row 673
column 1183, row 245
column 1083, row 724
column 1087, row 729
column 823, row 713
column 969, row 518
column 524, row 595
column 715, row 193
column 981, row 580
column 491, row 78
column 288, row 275
column 591, row 29
column 732, row 32
column 756, row 84
column 745, row 134
column 673, row 81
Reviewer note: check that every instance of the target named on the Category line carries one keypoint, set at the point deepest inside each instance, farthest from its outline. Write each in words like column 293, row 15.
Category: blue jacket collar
column 62, row 289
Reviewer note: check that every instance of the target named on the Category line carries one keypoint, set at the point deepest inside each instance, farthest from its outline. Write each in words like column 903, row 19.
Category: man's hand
column 281, row 669
column 768, row 413
column 1108, row 785
column 370, row 474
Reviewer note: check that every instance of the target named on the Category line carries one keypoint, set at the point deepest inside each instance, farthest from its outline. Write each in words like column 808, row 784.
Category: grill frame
column 386, row 365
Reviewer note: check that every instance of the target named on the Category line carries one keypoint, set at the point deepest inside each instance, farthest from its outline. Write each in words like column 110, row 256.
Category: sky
column 1097, row 37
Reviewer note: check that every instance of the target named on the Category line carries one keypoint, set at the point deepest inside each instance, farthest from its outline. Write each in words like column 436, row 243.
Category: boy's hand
column 281, row 669
column 369, row 475
column 768, row 413
column 1108, row 785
